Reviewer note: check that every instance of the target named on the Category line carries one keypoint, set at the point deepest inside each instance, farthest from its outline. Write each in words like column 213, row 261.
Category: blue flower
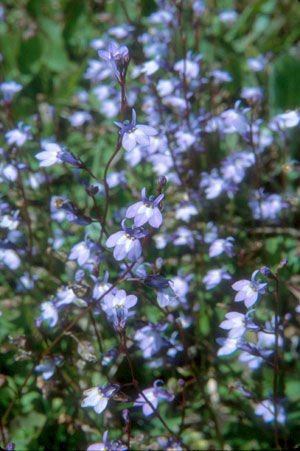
column 50, row 155
column 248, row 290
column 126, row 242
column 98, row 397
column 18, row 135
column 237, row 324
column 152, row 394
column 267, row 411
column 117, row 304
column 146, row 211
column 133, row 133
column 48, row 365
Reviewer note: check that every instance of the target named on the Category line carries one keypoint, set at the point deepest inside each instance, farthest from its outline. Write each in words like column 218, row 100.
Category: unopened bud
column 162, row 180
column 267, row 272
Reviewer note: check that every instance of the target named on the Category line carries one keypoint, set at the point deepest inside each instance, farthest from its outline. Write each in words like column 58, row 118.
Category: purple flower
column 117, row 304
column 78, row 118
column 248, row 290
column 9, row 88
column 146, row 210
column 237, row 324
column 214, row 277
column 126, row 242
column 150, row 339
column 152, row 394
column 133, row 133
column 267, row 411
column 98, row 397
column 253, row 361
column 47, row 367
column 50, row 155
column 49, row 313
column 115, row 445
column 80, row 252
column 18, row 135
column 219, row 246
column 118, row 58
column 228, row 345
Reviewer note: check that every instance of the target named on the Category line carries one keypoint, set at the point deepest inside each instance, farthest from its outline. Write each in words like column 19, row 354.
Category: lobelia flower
column 47, row 367
column 118, row 58
column 116, row 306
column 79, row 118
column 49, row 313
column 18, row 135
column 98, row 397
column 267, row 411
column 126, row 242
column 146, row 210
column 115, row 445
column 50, row 155
column 133, row 133
column 248, row 290
column 82, row 251
column 237, row 324
column 214, row 277
column 150, row 340
column 219, row 246
column 9, row 88
column 228, row 345
column 152, row 394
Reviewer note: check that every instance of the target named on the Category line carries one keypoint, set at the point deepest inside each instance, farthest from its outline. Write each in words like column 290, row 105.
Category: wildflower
column 49, row 313
column 267, row 206
column 252, row 95
column 79, row 118
column 220, row 76
column 214, row 277
column 152, row 394
column 9, row 88
column 185, row 211
column 18, row 135
column 117, row 304
column 228, row 16
column 47, row 367
column 65, row 297
column 146, row 210
column 115, row 445
column 237, row 324
column 266, row 409
column 133, row 133
column 10, row 258
column 118, row 58
column 150, row 339
column 50, row 155
column 257, row 64
column 126, row 242
column 228, row 345
column 100, row 287
column 80, row 252
column 248, row 290
column 284, row 120
column 188, row 68
column 219, row 246
column 98, row 397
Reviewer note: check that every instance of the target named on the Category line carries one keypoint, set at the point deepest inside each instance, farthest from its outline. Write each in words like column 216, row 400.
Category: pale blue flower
column 126, row 242
column 50, row 155
column 146, row 210
column 267, row 411
column 98, row 397
column 133, row 133
column 248, row 290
